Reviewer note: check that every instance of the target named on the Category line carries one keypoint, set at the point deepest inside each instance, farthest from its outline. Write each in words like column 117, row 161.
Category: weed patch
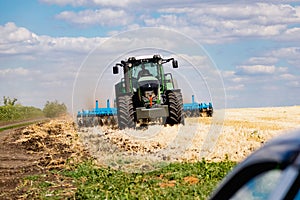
column 177, row 180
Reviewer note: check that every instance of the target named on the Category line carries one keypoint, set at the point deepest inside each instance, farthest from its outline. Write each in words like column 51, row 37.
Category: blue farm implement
column 97, row 116
column 195, row 109
column 108, row 116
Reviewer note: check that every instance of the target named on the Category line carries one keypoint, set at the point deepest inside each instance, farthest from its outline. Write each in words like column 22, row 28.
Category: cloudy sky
column 255, row 46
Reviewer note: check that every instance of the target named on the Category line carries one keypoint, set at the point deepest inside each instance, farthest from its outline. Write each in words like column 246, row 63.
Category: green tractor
column 146, row 94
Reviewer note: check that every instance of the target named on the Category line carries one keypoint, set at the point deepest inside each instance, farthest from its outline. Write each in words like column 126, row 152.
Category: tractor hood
column 147, row 79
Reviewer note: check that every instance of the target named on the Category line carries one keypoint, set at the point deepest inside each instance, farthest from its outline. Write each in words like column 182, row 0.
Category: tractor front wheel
column 175, row 105
column 126, row 112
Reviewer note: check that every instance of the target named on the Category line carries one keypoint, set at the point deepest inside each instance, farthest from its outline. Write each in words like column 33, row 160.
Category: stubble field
column 233, row 137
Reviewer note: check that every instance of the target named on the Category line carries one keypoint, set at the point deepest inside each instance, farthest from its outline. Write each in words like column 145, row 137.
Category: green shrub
column 8, row 101
column 19, row 112
column 54, row 109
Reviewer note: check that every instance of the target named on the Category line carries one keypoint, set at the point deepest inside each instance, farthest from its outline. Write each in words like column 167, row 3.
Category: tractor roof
column 145, row 59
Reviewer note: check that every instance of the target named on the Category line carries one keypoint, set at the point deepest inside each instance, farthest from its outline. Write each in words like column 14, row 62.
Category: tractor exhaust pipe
column 97, row 105
column 107, row 103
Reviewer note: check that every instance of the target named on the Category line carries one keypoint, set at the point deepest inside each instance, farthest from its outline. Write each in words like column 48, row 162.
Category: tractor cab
column 147, row 81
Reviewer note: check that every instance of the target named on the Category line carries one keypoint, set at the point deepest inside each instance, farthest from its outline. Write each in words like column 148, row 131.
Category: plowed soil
column 34, row 150
column 15, row 163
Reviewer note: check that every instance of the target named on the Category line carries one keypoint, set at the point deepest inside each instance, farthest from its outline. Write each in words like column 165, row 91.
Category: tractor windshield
column 146, row 69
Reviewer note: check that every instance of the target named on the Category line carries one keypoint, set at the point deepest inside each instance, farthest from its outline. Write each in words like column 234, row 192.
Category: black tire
column 210, row 113
column 126, row 112
column 175, row 105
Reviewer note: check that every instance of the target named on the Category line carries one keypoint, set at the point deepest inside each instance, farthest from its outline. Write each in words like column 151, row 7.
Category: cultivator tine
column 109, row 120
column 188, row 113
column 113, row 120
column 196, row 113
column 101, row 121
column 95, row 121
column 106, row 121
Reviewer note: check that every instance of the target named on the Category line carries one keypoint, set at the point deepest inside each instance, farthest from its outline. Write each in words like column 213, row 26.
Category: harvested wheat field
column 231, row 136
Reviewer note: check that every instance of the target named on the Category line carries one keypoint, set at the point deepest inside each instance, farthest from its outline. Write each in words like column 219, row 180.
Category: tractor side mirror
column 175, row 64
column 115, row 70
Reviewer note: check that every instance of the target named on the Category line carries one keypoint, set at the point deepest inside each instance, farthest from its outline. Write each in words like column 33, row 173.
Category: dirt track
column 45, row 146
column 15, row 163
column 36, row 150
column 21, row 123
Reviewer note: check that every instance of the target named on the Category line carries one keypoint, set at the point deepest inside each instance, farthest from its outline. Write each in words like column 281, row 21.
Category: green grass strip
column 88, row 181
column 18, row 125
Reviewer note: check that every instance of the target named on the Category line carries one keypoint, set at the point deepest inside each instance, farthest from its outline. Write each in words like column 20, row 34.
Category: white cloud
column 219, row 23
column 170, row 20
column 287, row 76
column 235, row 87
column 291, row 34
column 20, row 71
column 65, row 2
column 233, row 84
column 295, row 84
column 103, row 17
column 281, row 69
column 122, row 3
column 31, row 62
column 10, row 33
column 262, row 13
column 255, row 70
column 289, row 52
column 228, row 74
column 207, row 21
column 233, row 78
column 18, row 40
column 262, row 60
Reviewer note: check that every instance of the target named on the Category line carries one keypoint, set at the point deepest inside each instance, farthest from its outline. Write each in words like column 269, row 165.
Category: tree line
column 11, row 110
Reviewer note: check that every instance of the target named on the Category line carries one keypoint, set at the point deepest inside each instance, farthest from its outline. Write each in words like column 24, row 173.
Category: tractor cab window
column 145, row 69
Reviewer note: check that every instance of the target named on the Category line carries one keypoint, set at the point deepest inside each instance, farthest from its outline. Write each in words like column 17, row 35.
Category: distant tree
column 54, row 109
column 7, row 101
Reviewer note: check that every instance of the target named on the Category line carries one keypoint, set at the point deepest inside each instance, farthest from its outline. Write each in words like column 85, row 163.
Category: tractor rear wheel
column 175, row 105
column 126, row 112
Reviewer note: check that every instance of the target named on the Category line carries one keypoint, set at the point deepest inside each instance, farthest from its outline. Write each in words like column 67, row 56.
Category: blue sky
column 255, row 45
